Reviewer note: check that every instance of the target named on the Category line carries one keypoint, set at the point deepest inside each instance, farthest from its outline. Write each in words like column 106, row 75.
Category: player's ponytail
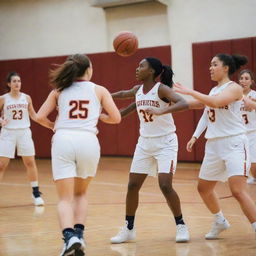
column 164, row 71
column 65, row 74
column 234, row 62
column 166, row 76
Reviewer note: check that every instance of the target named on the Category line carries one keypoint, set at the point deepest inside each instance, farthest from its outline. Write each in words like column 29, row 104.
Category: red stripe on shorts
column 245, row 160
column 171, row 168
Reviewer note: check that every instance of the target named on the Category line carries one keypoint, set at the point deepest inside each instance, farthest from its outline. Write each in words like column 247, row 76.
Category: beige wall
column 38, row 28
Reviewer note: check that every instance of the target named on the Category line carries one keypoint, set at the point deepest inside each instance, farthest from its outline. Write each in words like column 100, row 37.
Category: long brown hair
column 65, row 74
column 248, row 71
column 9, row 79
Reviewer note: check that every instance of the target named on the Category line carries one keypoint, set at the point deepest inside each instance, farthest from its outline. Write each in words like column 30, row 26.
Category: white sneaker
column 71, row 246
column 124, row 235
column 182, row 234
column 38, row 201
column 251, row 180
column 217, row 228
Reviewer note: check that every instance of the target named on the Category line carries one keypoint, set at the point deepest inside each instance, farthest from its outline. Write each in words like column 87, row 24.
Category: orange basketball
column 125, row 43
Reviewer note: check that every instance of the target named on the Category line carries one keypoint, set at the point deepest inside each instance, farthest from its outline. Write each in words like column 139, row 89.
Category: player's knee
column 237, row 194
column 165, row 187
column 30, row 163
column 133, row 186
column 202, row 190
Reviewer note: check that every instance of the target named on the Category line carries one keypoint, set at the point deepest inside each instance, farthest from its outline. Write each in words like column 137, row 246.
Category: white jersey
column 79, row 107
column 15, row 111
column 249, row 117
column 152, row 125
column 224, row 121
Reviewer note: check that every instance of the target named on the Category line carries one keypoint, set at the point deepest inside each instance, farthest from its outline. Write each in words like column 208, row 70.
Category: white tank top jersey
column 153, row 126
column 249, row 117
column 224, row 121
column 79, row 107
column 16, row 112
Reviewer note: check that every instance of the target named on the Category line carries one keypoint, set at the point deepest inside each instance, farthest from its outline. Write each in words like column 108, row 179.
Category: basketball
column 125, row 43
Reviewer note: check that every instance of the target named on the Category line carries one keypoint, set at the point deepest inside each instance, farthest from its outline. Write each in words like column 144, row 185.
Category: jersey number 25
column 78, row 110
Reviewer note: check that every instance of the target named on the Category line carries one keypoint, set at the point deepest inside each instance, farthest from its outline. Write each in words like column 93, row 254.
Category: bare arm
column 180, row 104
column 249, row 103
column 126, row 94
column 113, row 115
column 230, row 94
column 2, row 120
column 31, row 110
column 195, row 104
column 48, row 106
column 128, row 110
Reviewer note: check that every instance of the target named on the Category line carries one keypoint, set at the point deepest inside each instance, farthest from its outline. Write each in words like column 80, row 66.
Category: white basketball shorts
column 155, row 155
column 225, row 157
column 75, row 153
column 252, row 145
column 10, row 139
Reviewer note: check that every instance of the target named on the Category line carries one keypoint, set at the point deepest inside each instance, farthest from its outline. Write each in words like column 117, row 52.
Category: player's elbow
column 117, row 118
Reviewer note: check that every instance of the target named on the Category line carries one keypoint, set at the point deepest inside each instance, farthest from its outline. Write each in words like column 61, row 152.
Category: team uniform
column 157, row 147
column 227, row 148
column 75, row 146
column 249, row 118
column 16, row 133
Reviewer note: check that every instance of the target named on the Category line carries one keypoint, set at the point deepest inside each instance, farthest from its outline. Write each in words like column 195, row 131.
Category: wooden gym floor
column 26, row 230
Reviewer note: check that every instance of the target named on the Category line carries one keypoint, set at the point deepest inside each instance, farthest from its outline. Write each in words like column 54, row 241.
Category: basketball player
column 249, row 116
column 226, row 151
column 75, row 147
column 156, row 150
column 16, row 108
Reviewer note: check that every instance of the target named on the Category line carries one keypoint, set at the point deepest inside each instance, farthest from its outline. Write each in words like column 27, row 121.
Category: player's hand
column 152, row 111
column 3, row 122
column 182, row 89
column 191, row 143
column 247, row 104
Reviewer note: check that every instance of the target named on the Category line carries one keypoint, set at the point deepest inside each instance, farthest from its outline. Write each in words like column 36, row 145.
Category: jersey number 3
column 78, row 110
column 211, row 115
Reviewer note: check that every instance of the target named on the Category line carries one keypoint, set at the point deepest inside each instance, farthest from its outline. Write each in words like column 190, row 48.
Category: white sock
column 34, row 184
column 219, row 216
column 254, row 226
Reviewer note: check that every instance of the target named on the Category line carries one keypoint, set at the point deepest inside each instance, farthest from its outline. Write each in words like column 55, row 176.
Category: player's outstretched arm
column 230, row 94
column 112, row 115
column 128, row 110
column 178, row 102
column 48, row 106
column 126, row 94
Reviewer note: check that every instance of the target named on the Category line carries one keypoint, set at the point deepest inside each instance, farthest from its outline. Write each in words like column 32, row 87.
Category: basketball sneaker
column 251, row 180
column 124, row 235
column 80, row 234
column 38, row 200
column 217, row 228
column 71, row 244
column 182, row 234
